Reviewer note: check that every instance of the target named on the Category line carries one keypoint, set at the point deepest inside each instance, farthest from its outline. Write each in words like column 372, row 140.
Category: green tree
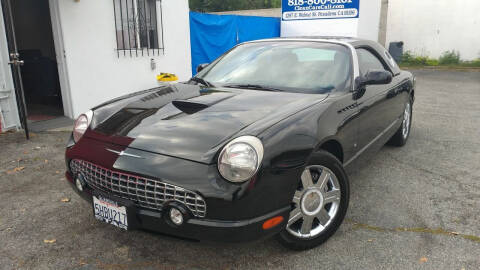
column 227, row 5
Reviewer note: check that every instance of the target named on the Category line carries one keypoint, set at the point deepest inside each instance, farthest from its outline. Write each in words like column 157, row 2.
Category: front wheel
column 319, row 204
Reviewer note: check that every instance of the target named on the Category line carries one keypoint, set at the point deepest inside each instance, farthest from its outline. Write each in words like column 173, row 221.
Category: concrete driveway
column 413, row 207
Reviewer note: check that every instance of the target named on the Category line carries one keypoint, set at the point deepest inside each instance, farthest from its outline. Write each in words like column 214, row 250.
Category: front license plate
column 110, row 212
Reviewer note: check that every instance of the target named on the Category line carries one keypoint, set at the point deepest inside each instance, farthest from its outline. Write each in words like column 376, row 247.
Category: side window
column 392, row 62
column 367, row 61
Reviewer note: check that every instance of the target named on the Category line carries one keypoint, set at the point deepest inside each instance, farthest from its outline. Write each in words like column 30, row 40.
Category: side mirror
column 376, row 77
column 201, row 67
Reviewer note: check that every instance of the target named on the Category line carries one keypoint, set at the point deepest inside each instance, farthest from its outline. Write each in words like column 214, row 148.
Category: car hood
column 190, row 122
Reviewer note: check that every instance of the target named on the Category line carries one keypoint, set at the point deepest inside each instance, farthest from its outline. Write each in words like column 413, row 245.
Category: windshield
column 306, row 67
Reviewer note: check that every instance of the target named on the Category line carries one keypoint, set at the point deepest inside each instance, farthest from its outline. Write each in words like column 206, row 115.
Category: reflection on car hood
column 188, row 121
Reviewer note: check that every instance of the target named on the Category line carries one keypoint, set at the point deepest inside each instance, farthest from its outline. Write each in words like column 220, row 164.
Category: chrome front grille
column 144, row 192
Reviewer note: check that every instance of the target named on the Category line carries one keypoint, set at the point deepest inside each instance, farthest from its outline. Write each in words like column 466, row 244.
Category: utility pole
column 382, row 28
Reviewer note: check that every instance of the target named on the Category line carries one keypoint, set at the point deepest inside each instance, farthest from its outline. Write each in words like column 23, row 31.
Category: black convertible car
column 257, row 144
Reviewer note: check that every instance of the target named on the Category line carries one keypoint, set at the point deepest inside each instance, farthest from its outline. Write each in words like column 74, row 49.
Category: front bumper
column 198, row 229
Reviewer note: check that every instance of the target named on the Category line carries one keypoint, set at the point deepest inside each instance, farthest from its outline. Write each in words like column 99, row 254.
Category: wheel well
column 334, row 148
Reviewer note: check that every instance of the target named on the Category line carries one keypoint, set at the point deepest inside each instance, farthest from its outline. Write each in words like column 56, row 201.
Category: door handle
column 16, row 62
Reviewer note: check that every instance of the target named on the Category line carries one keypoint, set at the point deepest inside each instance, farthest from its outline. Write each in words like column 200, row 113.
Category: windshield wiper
column 253, row 86
column 202, row 81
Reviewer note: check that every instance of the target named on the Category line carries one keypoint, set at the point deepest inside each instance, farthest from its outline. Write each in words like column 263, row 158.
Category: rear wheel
column 401, row 136
column 319, row 204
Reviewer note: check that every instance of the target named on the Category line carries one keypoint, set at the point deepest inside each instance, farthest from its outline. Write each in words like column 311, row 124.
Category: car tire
column 400, row 138
column 306, row 202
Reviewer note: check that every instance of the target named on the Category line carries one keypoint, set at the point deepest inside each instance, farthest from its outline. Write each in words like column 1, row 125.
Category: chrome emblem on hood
column 122, row 153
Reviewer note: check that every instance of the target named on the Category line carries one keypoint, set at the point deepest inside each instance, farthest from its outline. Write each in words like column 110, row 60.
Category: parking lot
column 412, row 207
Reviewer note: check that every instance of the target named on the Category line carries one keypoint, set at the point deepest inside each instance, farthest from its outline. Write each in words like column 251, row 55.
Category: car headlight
column 81, row 125
column 240, row 159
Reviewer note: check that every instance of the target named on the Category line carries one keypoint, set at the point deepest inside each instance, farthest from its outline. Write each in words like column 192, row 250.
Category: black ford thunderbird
column 257, row 144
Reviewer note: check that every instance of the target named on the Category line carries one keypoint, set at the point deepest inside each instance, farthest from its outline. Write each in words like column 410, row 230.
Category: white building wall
column 369, row 19
column 96, row 73
column 430, row 27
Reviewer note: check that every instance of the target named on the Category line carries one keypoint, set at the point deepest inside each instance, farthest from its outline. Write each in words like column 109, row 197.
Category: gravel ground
column 412, row 207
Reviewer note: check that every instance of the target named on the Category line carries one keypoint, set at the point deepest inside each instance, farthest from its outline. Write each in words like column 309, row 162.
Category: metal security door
column 15, row 64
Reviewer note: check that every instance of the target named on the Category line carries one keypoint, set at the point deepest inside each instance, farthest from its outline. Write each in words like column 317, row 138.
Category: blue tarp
column 212, row 35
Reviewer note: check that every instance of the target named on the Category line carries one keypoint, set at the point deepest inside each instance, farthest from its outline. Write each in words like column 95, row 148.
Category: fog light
column 79, row 183
column 176, row 216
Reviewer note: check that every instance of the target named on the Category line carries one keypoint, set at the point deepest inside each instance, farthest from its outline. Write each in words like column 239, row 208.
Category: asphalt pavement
column 416, row 207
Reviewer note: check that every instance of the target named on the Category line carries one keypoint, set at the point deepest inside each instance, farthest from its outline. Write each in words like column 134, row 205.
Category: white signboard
column 320, row 17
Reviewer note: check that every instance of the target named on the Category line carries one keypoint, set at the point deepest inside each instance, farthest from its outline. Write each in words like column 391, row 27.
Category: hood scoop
column 189, row 107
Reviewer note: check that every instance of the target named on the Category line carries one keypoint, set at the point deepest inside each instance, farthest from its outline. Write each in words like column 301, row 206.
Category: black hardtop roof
column 354, row 41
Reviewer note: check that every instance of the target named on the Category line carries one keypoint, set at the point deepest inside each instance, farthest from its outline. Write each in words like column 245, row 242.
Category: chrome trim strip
column 122, row 153
column 370, row 143
column 235, row 224
column 113, row 151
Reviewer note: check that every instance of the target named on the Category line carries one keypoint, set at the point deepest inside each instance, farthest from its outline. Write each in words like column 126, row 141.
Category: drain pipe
column 1, row 115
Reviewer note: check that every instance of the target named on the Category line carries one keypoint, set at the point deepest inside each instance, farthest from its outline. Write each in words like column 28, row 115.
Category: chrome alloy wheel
column 315, row 203
column 407, row 116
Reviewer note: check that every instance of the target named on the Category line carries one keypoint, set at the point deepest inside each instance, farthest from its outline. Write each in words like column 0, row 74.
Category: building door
column 34, row 60
column 13, row 60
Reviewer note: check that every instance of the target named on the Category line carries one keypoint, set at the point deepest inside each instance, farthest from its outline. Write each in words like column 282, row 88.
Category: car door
column 376, row 105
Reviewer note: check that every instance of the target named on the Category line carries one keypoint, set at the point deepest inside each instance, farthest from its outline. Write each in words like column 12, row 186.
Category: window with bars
column 139, row 27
